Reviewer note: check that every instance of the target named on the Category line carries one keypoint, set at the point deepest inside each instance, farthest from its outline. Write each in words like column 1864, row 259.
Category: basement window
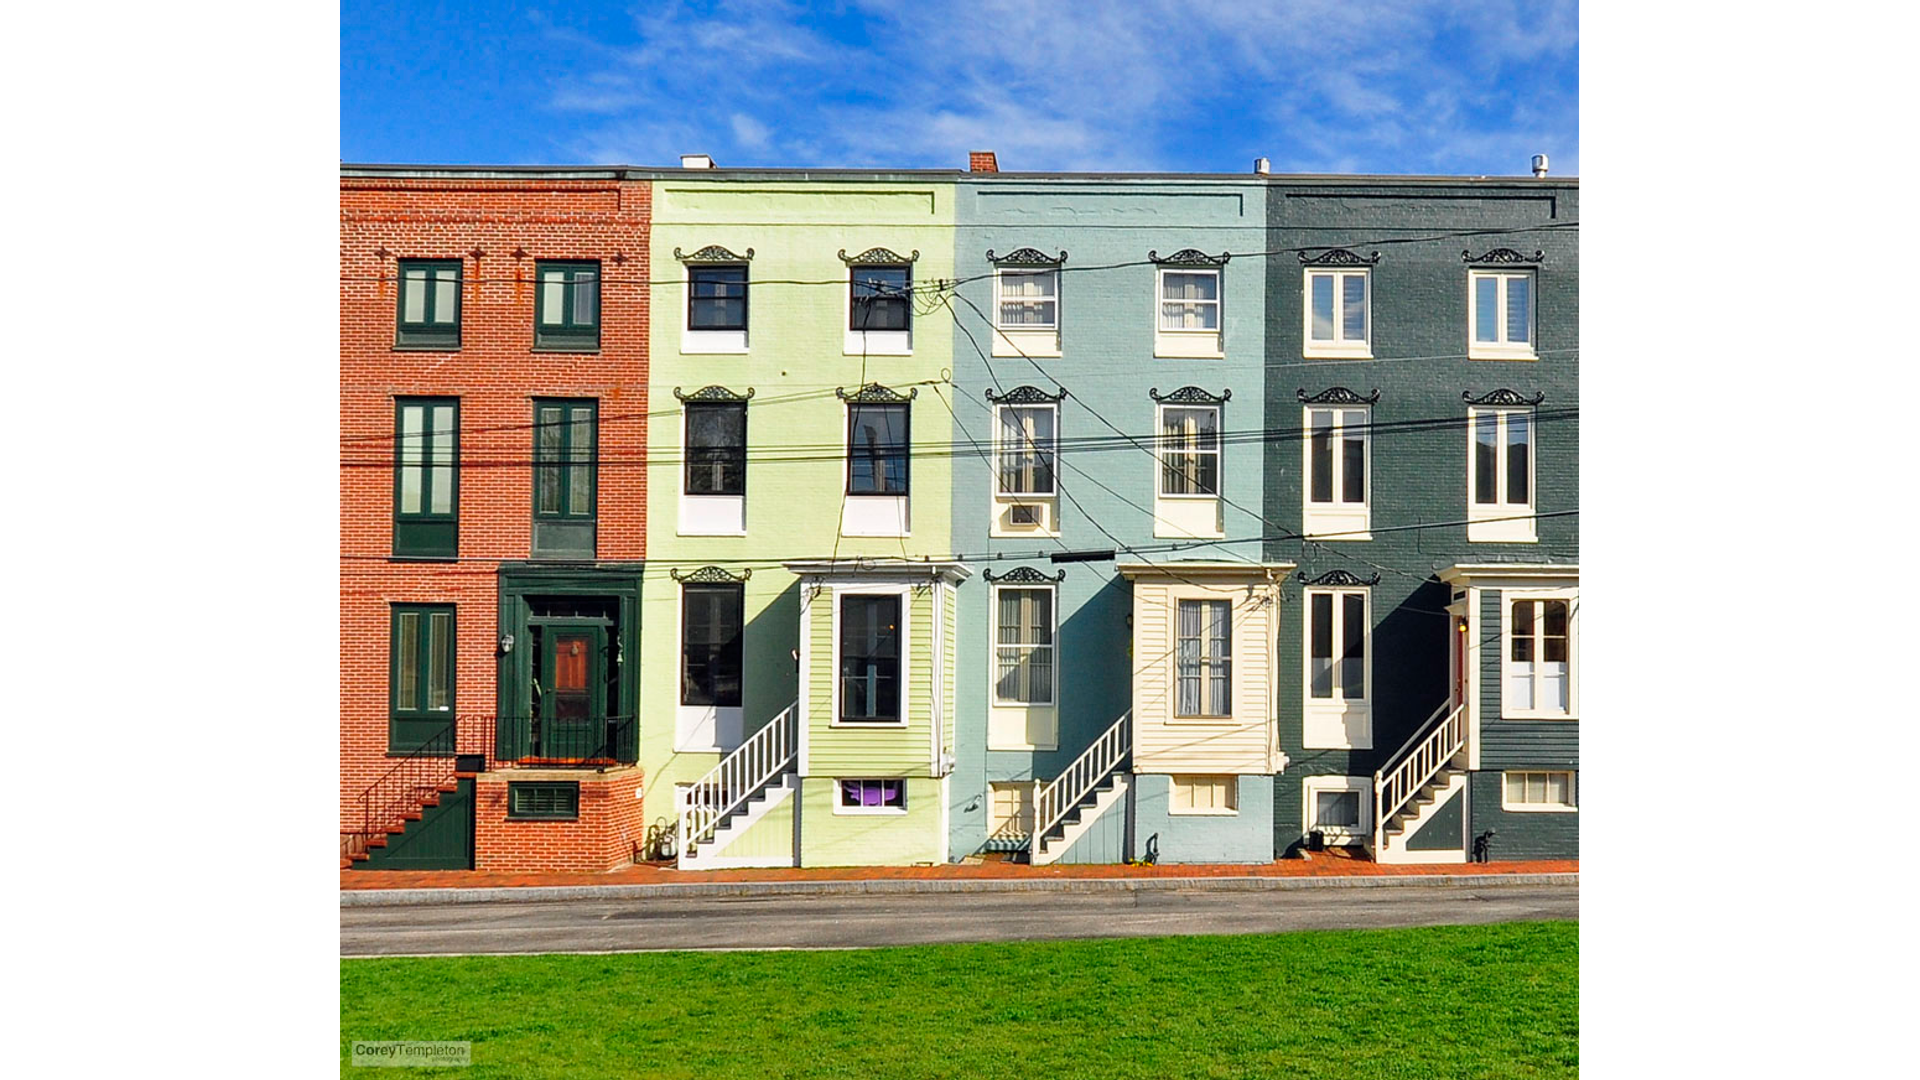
column 547, row 801
column 872, row 797
column 1204, row 795
column 1537, row 791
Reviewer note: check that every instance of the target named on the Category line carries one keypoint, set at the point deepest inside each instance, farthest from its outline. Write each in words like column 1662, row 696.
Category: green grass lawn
column 1450, row 1001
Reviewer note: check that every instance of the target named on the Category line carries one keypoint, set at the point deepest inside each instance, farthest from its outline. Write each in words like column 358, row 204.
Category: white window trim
column 1501, row 350
column 1161, row 448
column 1339, row 347
column 1573, row 790
column 1336, row 520
column 710, row 342
column 854, row 588
column 1572, row 597
column 851, row 504
column 1484, row 524
column 1233, row 790
column 875, row 342
column 842, row 810
column 999, row 276
column 993, row 647
column 1312, row 786
column 1337, row 705
column 1194, row 344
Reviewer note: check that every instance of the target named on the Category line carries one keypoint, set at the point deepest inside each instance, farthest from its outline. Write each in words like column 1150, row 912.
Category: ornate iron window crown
column 713, row 393
column 1189, row 395
column 713, row 253
column 1189, row 257
column 1503, row 257
column 1339, row 257
column 1026, row 256
column 1502, row 396
column 1339, row 578
column 1026, row 395
column 878, row 256
column 710, row 575
column 1023, row 575
column 873, row 392
column 1337, row 395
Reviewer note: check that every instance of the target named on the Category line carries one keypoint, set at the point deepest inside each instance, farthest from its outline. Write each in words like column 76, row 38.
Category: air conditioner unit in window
column 1028, row 517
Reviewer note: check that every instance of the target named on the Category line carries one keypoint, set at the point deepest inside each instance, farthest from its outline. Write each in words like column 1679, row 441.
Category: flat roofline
column 635, row 172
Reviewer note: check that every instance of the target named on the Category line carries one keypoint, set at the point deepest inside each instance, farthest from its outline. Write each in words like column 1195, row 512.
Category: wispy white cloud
column 1318, row 85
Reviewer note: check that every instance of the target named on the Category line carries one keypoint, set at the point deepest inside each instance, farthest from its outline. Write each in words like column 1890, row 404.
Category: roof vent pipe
column 1539, row 164
column 696, row 161
column 1262, row 166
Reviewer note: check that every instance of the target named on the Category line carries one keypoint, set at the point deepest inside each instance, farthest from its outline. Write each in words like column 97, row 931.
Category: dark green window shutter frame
column 412, row 722
column 571, row 333
column 431, row 334
column 425, row 534
column 543, row 801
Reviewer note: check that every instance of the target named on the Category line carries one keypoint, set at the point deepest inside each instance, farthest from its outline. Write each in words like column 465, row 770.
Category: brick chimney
column 982, row 161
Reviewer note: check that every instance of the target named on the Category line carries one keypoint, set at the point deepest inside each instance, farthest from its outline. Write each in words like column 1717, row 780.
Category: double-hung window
column 1338, row 712
column 870, row 659
column 1339, row 315
column 710, row 630
column 717, row 298
column 1029, row 300
column 421, row 686
column 1500, row 506
column 1023, row 650
column 1500, row 314
column 1539, row 661
column 1336, row 469
column 1190, row 301
column 1189, row 450
column 426, row 483
column 429, row 302
column 566, row 306
column 716, row 448
column 1203, row 659
column 882, row 299
column 877, row 449
column 1026, row 449
column 565, row 481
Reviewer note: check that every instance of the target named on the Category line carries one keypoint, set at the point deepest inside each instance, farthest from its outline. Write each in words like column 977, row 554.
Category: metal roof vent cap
column 1262, row 166
column 696, row 161
column 1539, row 165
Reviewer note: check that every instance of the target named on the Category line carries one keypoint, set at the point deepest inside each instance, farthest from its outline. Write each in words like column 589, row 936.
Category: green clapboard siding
column 441, row 840
column 879, row 750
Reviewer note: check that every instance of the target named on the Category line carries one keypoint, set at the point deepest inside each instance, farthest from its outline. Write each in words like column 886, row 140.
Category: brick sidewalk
column 1321, row 864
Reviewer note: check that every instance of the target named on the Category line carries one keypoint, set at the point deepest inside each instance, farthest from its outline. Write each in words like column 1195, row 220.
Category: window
column 1189, row 450
column 716, row 448
column 1336, row 471
column 1190, row 300
column 1502, row 474
column 877, row 449
column 1536, row 791
column 1203, row 663
column 1337, row 646
column 872, row 797
column 548, row 800
column 710, row 622
column 870, row 659
column 1539, row 667
column 1023, row 651
column 882, row 298
column 1500, row 310
column 1029, row 299
column 429, row 305
column 1338, row 313
column 566, row 306
column 565, row 487
column 421, row 688
column 717, row 298
column 426, row 482
column 1340, row 808
column 1337, row 809
column 1026, row 444
column 1204, row 795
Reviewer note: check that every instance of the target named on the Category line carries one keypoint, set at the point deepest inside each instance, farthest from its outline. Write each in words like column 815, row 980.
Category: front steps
column 1110, row 793
column 1437, row 798
column 742, row 840
column 369, row 853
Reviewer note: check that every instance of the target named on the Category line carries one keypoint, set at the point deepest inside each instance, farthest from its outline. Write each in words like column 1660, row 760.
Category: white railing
column 1415, row 763
column 1058, row 799
column 739, row 777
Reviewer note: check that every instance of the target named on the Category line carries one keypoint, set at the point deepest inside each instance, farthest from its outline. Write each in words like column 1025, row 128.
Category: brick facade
column 610, row 831
column 497, row 228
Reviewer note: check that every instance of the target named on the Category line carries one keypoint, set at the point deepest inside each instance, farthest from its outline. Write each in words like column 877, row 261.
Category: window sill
column 1570, row 718
column 1202, row 721
column 422, row 558
column 1322, row 352
column 862, row 725
column 712, row 342
column 1530, row 808
column 1021, row 748
column 1202, row 813
column 444, row 347
column 580, row 349
column 523, row 818
column 1483, row 353
column 847, row 811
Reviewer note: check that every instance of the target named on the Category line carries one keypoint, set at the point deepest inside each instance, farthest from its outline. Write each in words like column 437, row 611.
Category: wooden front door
column 573, row 703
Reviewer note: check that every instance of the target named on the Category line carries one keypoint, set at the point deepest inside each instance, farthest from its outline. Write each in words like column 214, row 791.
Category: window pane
column 406, row 633
column 1320, row 456
column 1320, row 645
column 1519, row 467
column 1536, row 787
column 1554, row 643
column 446, row 295
column 548, row 442
column 1322, row 303
column 1353, row 633
column 1189, row 286
column 443, row 434
column 414, row 291
column 1353, row 307
column 1523, row 630
column 1353, row 459
column 1519, row 309
column 1337, row 809
column 580, row 489
column 869, row 658
column 1187, row 646
column 716, row 449
column 1486, row 308
column 1553, row 687
column 1557, row 789
column 710, row 648
column 440, row 661
column 586, row 298
column 553, row 298
column 412, row 451
column 1516, row 787
column 877, row 449
column 881, row 295
column 1486, row 453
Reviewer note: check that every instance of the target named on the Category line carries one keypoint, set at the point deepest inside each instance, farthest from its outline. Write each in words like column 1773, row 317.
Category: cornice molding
column 1502, row 396
column 1026, row 256
column 1337, row 395
column 873, row 393
column 1189, row 395
column 713, row 253
column 713, row 392
column 1339, row 257
column 710, row 575
column 1022, row 575
column 1503, row 257
column 1339, row 578
column 878, row 256
column 1189, row 257
column 1026, row 395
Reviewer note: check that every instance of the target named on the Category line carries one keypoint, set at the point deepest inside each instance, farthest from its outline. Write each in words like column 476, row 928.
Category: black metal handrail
column 526, row 740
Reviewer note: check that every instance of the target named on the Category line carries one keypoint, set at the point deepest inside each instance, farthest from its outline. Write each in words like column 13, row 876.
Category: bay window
column 1539, row 658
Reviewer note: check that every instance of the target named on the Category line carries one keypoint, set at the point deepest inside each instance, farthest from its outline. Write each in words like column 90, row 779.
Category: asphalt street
column 834, row 922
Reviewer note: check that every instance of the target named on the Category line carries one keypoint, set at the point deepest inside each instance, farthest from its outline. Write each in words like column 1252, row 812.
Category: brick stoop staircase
column 356, row 847
column 414, row 785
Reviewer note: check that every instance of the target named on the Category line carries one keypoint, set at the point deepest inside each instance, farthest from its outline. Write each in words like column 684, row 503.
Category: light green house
column 797, row 352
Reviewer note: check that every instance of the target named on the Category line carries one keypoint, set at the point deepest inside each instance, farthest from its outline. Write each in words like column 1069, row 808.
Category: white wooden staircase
column 1419, row 779
column 1082, row 792
column 735, row 795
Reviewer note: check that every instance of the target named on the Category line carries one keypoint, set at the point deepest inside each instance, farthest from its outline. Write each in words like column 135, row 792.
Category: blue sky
column 1206, row 86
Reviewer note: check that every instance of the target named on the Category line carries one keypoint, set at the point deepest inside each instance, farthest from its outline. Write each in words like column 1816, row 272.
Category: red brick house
column 493, row 405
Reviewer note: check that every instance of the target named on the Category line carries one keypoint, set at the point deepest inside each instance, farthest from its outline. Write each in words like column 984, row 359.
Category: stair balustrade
column 1087, row 772
column 740, row 776
column 1416, row 762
